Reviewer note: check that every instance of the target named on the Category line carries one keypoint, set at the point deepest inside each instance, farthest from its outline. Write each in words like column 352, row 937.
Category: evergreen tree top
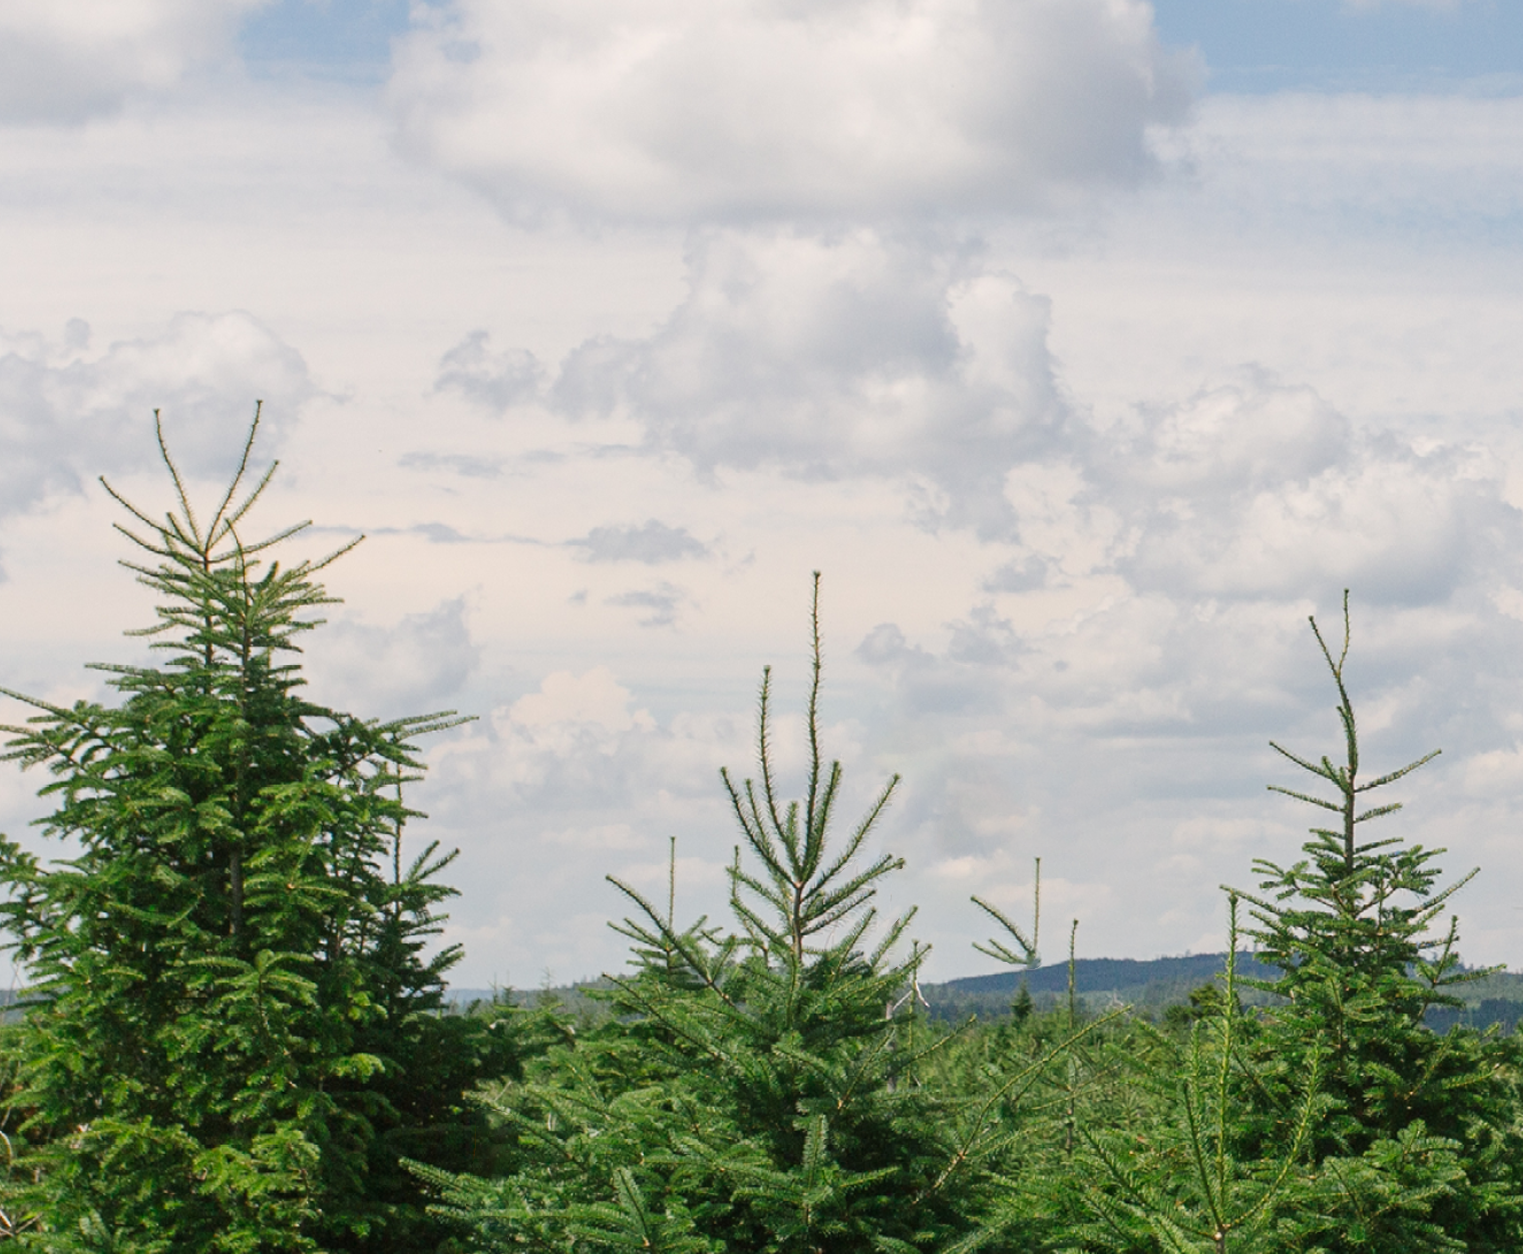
column 235, row 976
column 207, row 575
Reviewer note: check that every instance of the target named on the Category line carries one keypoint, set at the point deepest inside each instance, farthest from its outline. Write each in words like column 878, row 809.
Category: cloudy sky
column 1086, row 346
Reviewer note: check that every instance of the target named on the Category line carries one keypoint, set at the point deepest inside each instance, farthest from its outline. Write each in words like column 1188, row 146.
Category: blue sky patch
column 1252, row 46
column 1328, row 45
column 326, row 38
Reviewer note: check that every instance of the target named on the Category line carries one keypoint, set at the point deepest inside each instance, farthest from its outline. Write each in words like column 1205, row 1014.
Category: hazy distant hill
column 1099, row 982
column 1149, row 986
column 1161, row 982
column 1103, row 975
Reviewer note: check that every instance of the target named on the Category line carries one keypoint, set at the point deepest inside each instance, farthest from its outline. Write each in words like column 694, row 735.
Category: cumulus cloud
column 838, row 356
column 568, row 709
column 753, row 109
column 862, row 354
column 1257, row 488
column 67, row 414
column 63, row 62
column 1146, row 564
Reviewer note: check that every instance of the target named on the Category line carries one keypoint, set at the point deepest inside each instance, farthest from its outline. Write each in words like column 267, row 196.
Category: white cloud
column 675, row 109
column 860, row 355
column 62, row 62
column 568, row 707
column 1245, row 433
column 839, row 356
column 69, row 413
column 1254, row 488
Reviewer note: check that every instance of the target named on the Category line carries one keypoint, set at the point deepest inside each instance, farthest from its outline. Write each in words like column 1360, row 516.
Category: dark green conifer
column 1182, row 1183
column 1419, row 1148
column 759, row 1089
column 232, row 1028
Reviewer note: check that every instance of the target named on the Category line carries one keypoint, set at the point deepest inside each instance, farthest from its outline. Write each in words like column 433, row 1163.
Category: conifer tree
column 758, row 1089
column 1182, row 1182
column 1039, row 1086
column 771, row 1088
column 232, row 1027
column 1419, row 1148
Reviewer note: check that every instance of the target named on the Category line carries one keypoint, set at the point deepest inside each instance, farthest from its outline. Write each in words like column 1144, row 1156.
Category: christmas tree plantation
column 235, row 1036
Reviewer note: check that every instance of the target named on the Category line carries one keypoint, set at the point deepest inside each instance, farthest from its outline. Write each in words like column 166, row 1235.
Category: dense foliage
column 753, row 1089
column 236, row 1038
column 232, row 1034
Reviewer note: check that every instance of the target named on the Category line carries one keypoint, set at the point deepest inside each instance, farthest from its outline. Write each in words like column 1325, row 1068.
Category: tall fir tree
column 757, row 1089
column 771, row 1088
column 1419, row 1147
column 233, row 1026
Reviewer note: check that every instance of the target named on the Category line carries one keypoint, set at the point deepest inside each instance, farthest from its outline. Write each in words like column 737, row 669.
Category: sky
column 1086, row 347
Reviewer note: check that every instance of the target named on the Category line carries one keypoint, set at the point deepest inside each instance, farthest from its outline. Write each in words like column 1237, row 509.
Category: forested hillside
column 1152, row 987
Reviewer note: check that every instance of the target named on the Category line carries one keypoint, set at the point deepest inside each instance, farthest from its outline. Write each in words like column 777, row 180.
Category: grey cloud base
column 71, row 413
column 69, row 62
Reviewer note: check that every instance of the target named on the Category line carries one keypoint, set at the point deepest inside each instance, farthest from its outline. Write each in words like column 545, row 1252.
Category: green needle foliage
column 759, row 1090
column 1025, row 953
column 1182, row 1181
column 232, row 1030
column 1420, row 1135
column 770, row 1088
